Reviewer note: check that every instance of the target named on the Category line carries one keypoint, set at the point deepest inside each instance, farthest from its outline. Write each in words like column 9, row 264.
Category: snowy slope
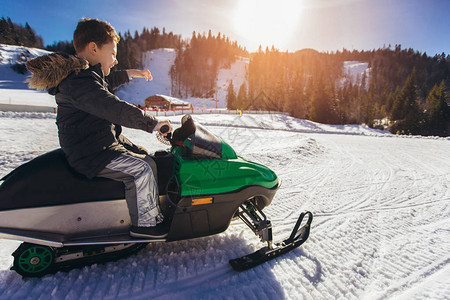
column 159, row 63
column 354, row 72
column 13, row 88
column 236, row 73
column 381, row 229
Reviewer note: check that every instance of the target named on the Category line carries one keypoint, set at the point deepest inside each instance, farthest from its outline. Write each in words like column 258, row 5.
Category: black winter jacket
column 89, row 117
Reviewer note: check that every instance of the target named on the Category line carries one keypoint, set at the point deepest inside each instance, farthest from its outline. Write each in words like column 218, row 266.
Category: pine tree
column 242, row 102
column 437, row 111
column 231, row 96
column 30, row 36
column 5, row 34
column 405, row 109
column 406, row 100
column 321, row 106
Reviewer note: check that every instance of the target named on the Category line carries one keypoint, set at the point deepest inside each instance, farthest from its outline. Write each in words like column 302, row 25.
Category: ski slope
column 13, row 86
column 355, row 71
column 159, row 62
column 381, row 228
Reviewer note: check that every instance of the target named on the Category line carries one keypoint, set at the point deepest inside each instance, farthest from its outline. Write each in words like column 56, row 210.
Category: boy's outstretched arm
column 117, row 78
column 140, row 73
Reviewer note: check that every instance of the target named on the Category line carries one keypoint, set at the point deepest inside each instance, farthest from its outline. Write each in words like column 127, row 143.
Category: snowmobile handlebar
column 164, row 129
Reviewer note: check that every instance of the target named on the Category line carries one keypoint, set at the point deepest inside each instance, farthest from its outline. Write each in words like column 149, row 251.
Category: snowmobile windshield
column 205, row 144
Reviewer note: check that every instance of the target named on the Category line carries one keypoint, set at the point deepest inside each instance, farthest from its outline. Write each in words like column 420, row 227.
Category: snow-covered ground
column 381, row 228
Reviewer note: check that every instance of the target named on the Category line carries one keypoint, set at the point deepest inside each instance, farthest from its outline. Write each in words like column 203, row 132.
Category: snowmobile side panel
column 53, row 240
column 191, row 221
column 70, row 221
column 111, row 240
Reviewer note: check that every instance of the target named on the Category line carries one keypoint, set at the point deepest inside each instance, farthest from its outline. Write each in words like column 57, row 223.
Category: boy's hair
column 93, row 30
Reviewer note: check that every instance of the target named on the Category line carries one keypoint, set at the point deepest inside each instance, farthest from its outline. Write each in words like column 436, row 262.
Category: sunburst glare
column 266, row 22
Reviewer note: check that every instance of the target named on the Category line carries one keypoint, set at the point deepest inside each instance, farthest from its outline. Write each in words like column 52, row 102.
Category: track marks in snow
column 374, row 210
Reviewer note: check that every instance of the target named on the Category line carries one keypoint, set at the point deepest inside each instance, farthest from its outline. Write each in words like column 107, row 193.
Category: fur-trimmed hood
column 49, row 70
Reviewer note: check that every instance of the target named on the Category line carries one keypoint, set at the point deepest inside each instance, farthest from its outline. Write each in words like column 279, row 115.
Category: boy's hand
column 140, row 73
column 161, row 124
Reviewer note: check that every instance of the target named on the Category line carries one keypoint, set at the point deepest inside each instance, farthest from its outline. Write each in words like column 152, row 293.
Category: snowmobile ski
column 298, row 236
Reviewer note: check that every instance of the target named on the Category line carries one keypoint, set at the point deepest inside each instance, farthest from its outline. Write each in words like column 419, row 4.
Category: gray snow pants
column 141, row 188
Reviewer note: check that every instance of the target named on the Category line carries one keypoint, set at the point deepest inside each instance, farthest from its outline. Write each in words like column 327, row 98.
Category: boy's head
column 93, row 30
column 96, row 41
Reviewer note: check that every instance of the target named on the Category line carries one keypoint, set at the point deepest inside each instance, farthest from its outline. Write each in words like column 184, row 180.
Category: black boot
column 159, row 231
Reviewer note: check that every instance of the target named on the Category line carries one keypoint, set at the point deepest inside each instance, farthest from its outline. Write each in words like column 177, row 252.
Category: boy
column 90, row 116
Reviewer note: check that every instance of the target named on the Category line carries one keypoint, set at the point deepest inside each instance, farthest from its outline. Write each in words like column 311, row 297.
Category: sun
column 266, row 22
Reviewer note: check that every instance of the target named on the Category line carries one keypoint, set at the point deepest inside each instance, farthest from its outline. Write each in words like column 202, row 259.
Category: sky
column 288, row 25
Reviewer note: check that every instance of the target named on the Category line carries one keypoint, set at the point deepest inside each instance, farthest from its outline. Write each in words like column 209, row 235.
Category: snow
column 354, row 72
column 159, row 62
column 13, row 88
column 381, row 206
column 236, row 73
column 174, row 101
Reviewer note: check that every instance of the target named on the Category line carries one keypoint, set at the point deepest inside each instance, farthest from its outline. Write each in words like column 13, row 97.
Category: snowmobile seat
column 49, row 180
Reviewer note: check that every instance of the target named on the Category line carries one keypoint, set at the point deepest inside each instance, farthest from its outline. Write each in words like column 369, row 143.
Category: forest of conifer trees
column 405, row 88
column 15, row 34
column 405, row 91
column 196, row 65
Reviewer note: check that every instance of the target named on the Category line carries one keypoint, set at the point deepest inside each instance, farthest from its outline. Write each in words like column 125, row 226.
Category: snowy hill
column 354, row 72
column 159, row 63
column 381, row 206
column 13, row 88
column 237, row 73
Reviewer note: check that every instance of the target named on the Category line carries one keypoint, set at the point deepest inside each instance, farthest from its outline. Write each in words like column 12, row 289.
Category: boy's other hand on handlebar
column 161, row 124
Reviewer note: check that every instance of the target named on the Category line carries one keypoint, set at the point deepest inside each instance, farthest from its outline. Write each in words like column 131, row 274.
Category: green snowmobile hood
column 219, row 175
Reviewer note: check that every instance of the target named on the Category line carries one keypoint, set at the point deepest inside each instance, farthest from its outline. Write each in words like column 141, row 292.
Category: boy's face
column 106, row 56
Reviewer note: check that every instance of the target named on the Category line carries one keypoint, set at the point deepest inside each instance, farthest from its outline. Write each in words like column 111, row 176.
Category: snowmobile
column 67, row 221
